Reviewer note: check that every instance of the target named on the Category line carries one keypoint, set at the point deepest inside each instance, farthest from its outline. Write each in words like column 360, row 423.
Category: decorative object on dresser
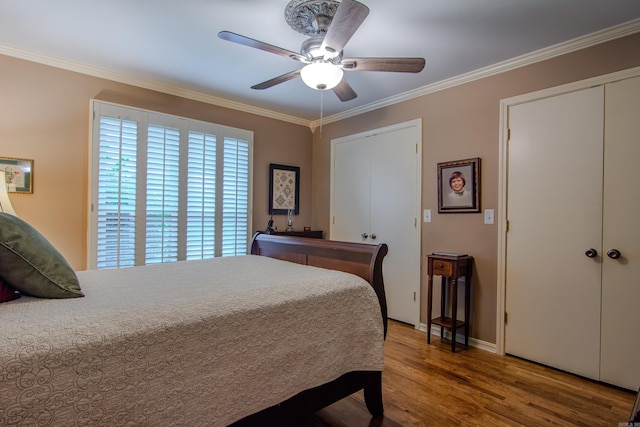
column 284, row 189
column 269, row 225
column 451, row 267
column 289, row 219
column 459, row 186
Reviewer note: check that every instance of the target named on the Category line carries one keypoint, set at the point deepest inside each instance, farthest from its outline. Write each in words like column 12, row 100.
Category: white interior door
column 394, row 204
column 375, row 192
column 554, row 211
column 351, row 191
column 621, row 277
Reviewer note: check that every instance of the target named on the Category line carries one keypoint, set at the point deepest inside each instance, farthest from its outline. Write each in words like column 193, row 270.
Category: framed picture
column 459, row 186
column 284, row 189
column 18, row 174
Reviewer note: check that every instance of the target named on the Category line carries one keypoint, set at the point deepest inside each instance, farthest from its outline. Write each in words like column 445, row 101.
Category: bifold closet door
column 375, row 200
column 394, row 204
column 352, row 191
column 554, row 212
column 621, row 231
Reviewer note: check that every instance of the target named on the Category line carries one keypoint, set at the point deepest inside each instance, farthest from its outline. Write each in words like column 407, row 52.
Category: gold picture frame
column 17, row 174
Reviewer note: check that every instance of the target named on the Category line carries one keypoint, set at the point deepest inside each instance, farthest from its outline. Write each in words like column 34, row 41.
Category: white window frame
column 185, row 125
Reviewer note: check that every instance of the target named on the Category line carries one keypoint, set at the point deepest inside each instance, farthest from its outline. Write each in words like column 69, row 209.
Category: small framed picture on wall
column 17, row 174
column 459, row 186
column 284, row 189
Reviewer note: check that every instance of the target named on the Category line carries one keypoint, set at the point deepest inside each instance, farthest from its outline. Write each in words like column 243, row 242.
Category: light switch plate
column 488, row 216
column 427, row 215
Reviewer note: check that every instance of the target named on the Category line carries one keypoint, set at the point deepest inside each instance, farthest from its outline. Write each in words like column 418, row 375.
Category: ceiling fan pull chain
column 321, row 108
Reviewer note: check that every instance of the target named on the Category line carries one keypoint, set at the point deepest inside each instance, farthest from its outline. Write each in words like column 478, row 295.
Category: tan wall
column 44, row 116
column 458, row 123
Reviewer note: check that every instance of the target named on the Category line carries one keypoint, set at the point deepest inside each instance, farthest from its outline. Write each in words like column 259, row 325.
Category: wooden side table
column 451, row 267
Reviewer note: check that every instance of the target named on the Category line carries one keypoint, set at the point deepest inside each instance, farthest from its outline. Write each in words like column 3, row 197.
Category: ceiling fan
column 330, row 25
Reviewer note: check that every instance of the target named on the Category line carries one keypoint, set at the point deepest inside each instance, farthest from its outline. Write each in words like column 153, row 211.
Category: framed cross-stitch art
column 284, row 189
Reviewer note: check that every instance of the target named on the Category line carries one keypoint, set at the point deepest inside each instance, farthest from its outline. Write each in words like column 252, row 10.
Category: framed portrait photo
column 459, row 186
column 284, row 189
column 17, row 174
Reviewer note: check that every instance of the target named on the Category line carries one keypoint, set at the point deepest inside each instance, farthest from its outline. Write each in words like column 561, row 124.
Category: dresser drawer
column 442, row 268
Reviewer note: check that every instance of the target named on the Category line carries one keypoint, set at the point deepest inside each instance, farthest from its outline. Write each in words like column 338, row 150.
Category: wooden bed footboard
column 357, row 258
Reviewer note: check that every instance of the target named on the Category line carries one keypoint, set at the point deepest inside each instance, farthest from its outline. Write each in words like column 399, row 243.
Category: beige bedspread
column 192, row 343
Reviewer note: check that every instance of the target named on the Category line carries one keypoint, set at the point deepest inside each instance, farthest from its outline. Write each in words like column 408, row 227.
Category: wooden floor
column 427, row 385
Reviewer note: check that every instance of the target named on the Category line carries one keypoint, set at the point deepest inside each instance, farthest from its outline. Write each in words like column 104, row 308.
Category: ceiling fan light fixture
column 321, row 75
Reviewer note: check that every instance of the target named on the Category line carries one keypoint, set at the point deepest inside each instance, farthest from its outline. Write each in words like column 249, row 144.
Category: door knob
column 373, row 236
column 364, row 235
column 591, row 253
column 613, row 253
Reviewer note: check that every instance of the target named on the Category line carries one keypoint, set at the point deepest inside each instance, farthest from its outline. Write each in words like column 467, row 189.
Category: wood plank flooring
column 427, row 385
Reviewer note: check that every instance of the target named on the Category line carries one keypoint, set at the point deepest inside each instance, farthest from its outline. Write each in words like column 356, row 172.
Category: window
column 166, row 188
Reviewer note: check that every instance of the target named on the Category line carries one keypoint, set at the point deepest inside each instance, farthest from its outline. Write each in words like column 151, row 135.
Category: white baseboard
column 473, row 342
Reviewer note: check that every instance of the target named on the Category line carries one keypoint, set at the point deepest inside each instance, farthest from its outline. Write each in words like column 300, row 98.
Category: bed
column 250, row 340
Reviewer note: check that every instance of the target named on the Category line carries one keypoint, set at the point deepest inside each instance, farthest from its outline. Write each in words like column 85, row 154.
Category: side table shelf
column 447, row 322
column 451, row 267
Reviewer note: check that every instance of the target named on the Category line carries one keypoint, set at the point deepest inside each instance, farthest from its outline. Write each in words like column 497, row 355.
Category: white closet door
column 554, row 209
column 393, row 218
column 351, row 191
column 621, row 277
column 375, row 192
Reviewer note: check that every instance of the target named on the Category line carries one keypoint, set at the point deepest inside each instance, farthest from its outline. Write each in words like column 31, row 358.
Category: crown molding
column 612, row 33
column 146, row 84
column 573, row 45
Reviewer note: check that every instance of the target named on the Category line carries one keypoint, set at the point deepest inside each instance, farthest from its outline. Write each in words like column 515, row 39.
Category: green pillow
column 31, row 264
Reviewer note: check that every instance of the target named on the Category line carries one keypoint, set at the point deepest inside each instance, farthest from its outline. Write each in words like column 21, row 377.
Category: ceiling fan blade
column 344, row 91
column 398, row 65
column 347, row 19
column 277, row 80
column 237, row 38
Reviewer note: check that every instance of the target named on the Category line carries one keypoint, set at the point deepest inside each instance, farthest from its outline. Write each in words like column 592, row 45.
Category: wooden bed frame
column 357, row 258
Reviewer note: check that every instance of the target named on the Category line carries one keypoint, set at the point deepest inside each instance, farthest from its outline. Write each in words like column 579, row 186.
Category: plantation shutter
column 235, row 204
column 166, row 188
column 116, row 201
column 163, row 173
column 201, row 196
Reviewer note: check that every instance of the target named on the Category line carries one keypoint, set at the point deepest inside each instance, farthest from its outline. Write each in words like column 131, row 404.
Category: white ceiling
column 174, row 43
